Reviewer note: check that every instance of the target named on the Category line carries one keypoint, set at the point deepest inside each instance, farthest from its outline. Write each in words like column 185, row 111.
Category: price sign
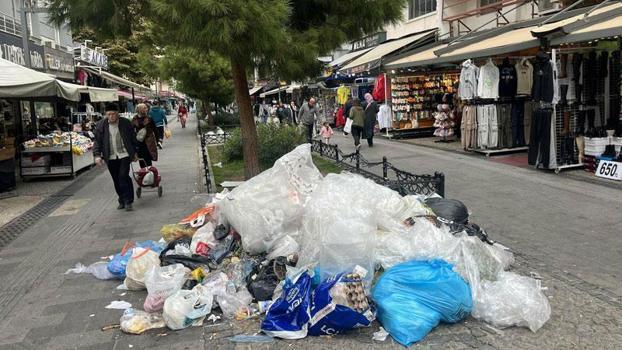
column 609, row 170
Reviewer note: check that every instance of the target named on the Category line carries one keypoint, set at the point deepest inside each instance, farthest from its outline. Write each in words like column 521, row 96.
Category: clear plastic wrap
column 234, row 304
column 270, row 205
column 285, row 246
column 162, row 282
column 339, row 226
column 187, row 308
column 142, row 260
column 512, row 300
column 136, row 321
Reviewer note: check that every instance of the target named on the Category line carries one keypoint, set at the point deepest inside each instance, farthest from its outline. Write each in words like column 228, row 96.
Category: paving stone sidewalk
column 42, row 308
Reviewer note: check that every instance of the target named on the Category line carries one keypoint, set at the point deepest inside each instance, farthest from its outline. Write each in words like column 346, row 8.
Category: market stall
column 56, row 154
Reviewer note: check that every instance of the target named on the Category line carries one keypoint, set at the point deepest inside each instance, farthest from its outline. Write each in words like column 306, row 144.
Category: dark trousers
column 143, row 153
column 540, row 142
column 309, row 132
column 357, row 131
column 518, row 128
column 120, row 172
column 160, row 135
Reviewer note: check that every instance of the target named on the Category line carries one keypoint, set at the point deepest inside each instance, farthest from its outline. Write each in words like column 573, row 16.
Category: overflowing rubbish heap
column 322, row 256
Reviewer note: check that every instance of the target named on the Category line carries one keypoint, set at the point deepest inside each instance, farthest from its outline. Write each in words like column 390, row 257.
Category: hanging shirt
column 468, row 80
column 384, row 117
column 488, row 82
column 524, row 77
column 343, row 93
column 556, row 95
column 507, row 80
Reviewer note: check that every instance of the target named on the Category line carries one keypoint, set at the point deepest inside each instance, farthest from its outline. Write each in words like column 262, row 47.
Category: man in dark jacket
column 115, row 144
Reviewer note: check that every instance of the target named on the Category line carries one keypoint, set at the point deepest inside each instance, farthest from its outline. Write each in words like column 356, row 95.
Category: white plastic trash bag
column 512, row 300
column 148, row 179
column 187, row 308
column 285, row 246
column 203, row 240
column 232, row 304
column 270, row 205
column 142, row 260
column 98, row 269
column 162, row 282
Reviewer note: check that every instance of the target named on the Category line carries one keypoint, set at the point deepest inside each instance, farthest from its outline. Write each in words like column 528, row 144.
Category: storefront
column 59, row 63
column 545, row 90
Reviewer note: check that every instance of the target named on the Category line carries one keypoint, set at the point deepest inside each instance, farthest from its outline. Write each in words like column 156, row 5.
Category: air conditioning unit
column 546, row 7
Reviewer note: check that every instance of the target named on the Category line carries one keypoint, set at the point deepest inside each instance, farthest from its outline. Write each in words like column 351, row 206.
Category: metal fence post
column 337, row 153
column 385, row 169
column 321, row 148
column 440, row 187
column 358, row 160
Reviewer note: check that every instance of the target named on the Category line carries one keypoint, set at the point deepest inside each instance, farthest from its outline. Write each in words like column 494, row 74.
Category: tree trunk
column 247, row 122
column 211, row 119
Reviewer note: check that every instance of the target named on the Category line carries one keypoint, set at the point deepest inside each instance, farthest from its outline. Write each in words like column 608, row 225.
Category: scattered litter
column 92, row 315
column 381, row 335
column 136, row 321
column 110, row 326
column 119, row 305
column 219, row 165
column 98, row 269
column 122, row 286
column 243, row 338
column 213, row 318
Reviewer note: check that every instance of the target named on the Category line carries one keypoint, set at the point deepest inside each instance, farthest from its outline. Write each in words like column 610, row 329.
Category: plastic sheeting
column 270, row 205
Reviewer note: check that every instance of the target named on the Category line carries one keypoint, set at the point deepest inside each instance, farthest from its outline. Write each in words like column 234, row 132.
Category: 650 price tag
column 609, row 170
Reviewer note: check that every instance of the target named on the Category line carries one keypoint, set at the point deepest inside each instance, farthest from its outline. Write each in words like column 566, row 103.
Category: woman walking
column 371, row 115
column 358, row 122
column 146, row 136
column 182, row 115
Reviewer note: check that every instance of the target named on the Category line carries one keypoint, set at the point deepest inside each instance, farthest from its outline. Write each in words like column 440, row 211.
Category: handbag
column 141, row 135
column 348, row 127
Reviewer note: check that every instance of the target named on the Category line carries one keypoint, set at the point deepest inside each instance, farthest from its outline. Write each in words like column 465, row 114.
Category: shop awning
column 584, row 18
column 254, row 90
column 425, row 55
column 274, row 92
column 291, row 88
column 20, row 82
column 373, row 58
column 608, row 24
column 348, row 57
column 118, row 80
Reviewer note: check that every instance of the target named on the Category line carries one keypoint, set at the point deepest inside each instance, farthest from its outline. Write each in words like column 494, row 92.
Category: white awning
column 549, row 27
column 274, row 92
column 254, row 90
column 348, row 57
column 606, row 28
column 95, row 94
column 373, row 57
column 415, row 58
column 118, row 80
column 291, row 88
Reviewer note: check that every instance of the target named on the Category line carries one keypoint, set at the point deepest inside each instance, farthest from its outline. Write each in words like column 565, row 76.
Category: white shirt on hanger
column 488, row 82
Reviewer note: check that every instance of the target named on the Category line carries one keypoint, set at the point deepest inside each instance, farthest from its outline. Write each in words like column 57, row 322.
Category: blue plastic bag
column 118, row 264
column 413, row 297
column 330, row 318
column 289, row 315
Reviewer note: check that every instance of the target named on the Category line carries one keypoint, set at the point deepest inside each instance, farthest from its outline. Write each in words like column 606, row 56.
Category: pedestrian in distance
column 281, row 113
column 182, row 115
column 326, row 133
column 146, row 136
column 116, row 145
column 371, row 113
column 308, row 115
column 158, row 115
column 357, row 114
column 294, row 109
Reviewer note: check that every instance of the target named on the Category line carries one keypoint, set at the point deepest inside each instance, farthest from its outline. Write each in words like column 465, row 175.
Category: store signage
column 59, row 63
column 369, row 41
column 91, row 56
column 609, row 170
column 11, row 49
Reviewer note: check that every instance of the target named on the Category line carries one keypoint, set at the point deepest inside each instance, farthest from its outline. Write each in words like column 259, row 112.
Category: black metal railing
column 216, row 139
column 205, row 157
column 402, row 181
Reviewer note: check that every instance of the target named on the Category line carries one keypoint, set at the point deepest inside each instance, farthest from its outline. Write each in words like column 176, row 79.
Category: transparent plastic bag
column 162, row 282
column 142, row 260
column 270, row 205
column 98, row 269
column 413, row 297
column 187, row 308
column 512, row 300
column 285, row 246
column 136, row 321
column 234, row 305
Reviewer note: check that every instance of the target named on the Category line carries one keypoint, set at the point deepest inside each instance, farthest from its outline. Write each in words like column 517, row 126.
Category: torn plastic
column 285, row 246
column 289, row 315
column 203, row 240
column 136, row 321
column 413, row 297
column 270, row 205
column 234, row 304
column 162, row 282
column 98, row 269
column 512, row 300
column 187, row 308
column 142, row 260
column 339, row 304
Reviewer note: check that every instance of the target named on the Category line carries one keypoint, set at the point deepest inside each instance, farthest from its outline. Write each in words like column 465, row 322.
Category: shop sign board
column 11, row 49
column 609, row 170
column 59, row 63
column 369, row 41
column 88, row 55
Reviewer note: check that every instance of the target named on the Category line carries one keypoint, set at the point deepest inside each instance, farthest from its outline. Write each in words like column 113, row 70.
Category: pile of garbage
column 322, row 256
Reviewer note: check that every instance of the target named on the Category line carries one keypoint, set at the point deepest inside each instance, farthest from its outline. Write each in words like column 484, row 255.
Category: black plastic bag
column 191, row 262
column 450, row 210
column 263, row 280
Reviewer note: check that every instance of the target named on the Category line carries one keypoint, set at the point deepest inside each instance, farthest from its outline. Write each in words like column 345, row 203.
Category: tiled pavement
column 41, row 308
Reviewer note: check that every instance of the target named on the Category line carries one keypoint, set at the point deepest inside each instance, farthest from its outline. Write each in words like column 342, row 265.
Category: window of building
column 487, row 2
column 418, row 8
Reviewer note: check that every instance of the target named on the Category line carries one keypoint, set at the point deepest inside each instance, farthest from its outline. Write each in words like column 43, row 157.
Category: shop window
column 417, row 8
column 487, row 2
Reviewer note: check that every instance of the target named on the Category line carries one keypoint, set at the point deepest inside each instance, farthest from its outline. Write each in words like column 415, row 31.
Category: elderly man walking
column 115, row 144
column 307, row 117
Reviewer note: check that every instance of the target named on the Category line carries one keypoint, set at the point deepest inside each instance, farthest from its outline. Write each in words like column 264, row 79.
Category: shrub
column 224, row 118
column 274, row 142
